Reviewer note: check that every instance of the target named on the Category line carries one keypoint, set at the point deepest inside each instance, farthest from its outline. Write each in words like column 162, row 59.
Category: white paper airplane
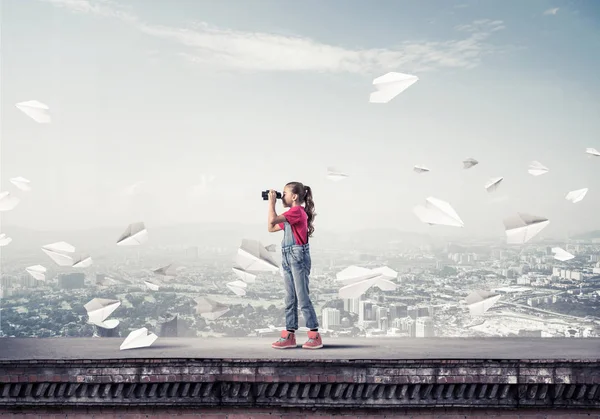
column 537, row 169
column 135, row 235
column 170, row 270
column 481, row 301
column 8, row 201
column 391, row 85
column 592, row 151
column 271, row 248
column 561, row 254
column 98, row 310
column 521, row 228
column 552, row 11
column 151, row 285
column 108, row 324
column 437, row 212
column 493, row 183
column 255, row 257
column 139, row 338
column 83, row 261
column 247, row 277
column 37, row 111
column 357, row 280
column 420, row 169
column 335, row 175
column 37, row 271
column 59, row 253
column 238, row 287
column 21, row 183
column 4, row 239
column 107, row 281
column 209, row 308
column 470, row 162
column 577, row 195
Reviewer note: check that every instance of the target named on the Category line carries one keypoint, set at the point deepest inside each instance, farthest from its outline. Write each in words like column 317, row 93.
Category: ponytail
column 309, row 208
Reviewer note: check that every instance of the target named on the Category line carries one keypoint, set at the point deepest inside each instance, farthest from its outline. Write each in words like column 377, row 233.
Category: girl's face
column 286, row 197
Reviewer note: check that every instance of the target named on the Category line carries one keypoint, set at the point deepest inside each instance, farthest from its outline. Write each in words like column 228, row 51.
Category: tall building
column 424, row 327
column 364, row 311
column 71, row 281
column 351, row 305
column 379, row 313
column 168, row 325
column 330, row 317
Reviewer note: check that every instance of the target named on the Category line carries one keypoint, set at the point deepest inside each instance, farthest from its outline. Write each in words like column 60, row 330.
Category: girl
column 297, row 227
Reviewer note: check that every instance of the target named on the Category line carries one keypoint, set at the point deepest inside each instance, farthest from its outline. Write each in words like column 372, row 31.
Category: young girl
column 297, row 227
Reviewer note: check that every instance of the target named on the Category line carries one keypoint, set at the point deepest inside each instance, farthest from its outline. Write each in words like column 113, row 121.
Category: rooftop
column 334, row 349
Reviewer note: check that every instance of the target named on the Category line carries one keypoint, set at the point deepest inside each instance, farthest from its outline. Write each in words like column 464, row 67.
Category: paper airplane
column 468, row 163
column 21, row 183
column 536, row 168
column 247, row 277
column 98, row 310
column 238, row 287
column 577, row 195
column 8, row 201
column 37, row 271
column 437, row 212
column 335, row 175
column 108, row 324
column 37, row 111
column 521, row 228
column 4, row 239
column 58, row 252
column 391, row 85
column 592, row 151
column 169, row 270
column 151, row 285
column 210, row 309
column 561, row 254
column 107, row 281
column 271, row 248
column 357, row 280
column 139, row 338
column 481, row 301
column 83, row 261
column 255, row 257
column 493, row 183
column 135, row 235
column 420, row 169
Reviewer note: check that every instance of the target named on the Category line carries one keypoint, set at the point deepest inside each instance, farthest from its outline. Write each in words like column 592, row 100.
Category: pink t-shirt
column 298, row 220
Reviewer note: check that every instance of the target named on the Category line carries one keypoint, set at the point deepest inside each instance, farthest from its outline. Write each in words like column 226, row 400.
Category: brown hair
column 306, row 197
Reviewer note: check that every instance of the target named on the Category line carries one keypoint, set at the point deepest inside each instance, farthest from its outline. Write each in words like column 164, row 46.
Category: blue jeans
column 296, row 264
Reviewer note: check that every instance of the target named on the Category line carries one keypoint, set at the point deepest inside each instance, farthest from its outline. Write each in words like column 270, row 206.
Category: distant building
column 71, row 281
column 168, row 326
column 424, row 327
column 330, row 318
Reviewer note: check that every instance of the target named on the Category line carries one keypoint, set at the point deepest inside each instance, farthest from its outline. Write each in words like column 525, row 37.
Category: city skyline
column 141, row 92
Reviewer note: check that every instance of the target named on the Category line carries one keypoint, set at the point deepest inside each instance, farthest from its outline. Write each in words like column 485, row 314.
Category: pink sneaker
column 314, row 341
column 286, row 341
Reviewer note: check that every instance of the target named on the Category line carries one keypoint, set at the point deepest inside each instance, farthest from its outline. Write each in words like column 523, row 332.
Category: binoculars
column 265, row 195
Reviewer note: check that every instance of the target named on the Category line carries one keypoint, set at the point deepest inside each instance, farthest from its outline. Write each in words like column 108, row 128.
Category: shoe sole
column 312, row 347
column 284, row 347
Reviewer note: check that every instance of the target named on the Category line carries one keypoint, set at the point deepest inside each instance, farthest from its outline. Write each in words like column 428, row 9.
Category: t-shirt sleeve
column 293, row 216
column 282, row 225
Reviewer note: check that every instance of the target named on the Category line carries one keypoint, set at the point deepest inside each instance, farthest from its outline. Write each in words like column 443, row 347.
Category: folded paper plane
column 481, row 301
column 421, row 169
column 98, row 309
column 391, row 85
column 7, row 201
column 493, row 184
column 335, row 174
column 470, row 162
column 437, row 212
column 521, row 228
column 37, row 271
column 134, row 235
column 357, row 280
column 139, row 338
column 209, row 308
column 577, row 195
column 37, row 111
column 561, row 254
column 537, row 169
column 21, row 183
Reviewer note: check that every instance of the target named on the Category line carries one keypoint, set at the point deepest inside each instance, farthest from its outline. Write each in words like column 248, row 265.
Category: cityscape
column 536, row 294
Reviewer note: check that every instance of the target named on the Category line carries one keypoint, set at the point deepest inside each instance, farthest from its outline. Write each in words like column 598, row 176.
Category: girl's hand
column 272, row 196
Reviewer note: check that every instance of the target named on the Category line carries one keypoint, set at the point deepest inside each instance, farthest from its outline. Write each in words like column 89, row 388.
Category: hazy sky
column 259, row 93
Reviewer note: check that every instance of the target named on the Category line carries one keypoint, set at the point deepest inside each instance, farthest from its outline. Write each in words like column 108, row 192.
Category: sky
column 209, row 103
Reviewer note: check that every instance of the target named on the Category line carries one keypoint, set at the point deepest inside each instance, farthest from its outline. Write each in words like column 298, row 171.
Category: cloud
column 551, row 11
column 258, row 51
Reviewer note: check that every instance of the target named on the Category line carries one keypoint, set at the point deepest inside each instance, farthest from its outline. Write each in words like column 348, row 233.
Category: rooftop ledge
column 246, row 372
